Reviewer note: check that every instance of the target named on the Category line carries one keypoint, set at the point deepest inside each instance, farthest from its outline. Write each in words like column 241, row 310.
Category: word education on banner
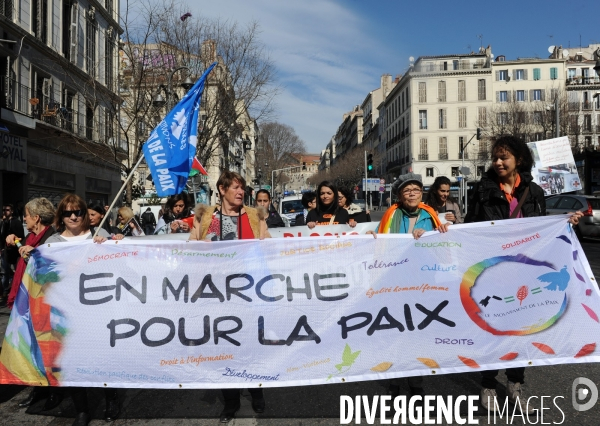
column 303, row 311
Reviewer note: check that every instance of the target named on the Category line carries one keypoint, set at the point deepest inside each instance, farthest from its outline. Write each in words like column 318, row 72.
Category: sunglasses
column 69, row 213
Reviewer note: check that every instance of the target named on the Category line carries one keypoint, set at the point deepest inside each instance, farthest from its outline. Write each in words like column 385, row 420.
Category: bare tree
column 278, row 143
column 241, row 88
column 348, row 171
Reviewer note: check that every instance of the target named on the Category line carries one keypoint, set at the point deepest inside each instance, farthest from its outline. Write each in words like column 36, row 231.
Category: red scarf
column 33, row 241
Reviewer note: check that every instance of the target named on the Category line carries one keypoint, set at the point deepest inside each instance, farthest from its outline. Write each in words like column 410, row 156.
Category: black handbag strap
column 521, row 201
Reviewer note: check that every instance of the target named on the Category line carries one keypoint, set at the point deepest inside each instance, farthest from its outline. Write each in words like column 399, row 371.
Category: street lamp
column 159, row 101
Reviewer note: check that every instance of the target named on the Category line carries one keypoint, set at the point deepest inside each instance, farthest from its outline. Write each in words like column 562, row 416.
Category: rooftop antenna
column 469, row 47
column 480, row 37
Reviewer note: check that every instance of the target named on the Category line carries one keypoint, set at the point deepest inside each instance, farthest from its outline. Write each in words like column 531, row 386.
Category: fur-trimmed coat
column 203, row 216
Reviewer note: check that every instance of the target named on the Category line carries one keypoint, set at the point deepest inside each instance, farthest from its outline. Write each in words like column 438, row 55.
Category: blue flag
column 171, row 147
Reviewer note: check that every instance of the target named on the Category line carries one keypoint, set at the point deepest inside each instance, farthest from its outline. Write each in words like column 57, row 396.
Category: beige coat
column 203, row 217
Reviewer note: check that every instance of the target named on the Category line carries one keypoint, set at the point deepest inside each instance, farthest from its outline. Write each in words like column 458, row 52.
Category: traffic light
column 478, row 133
column 369, row 163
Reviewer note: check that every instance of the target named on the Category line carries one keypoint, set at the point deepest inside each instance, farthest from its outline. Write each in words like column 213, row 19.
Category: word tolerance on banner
column 300, row 311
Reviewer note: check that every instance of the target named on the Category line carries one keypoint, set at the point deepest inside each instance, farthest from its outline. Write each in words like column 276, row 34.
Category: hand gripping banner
column 303, row 311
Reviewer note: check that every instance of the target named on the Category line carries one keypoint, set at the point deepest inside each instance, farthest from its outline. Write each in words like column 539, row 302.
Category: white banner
column 323, row 230
column 555, row 170
column 303, row 311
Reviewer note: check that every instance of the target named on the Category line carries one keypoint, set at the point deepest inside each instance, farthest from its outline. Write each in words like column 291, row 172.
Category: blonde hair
column 126, row 213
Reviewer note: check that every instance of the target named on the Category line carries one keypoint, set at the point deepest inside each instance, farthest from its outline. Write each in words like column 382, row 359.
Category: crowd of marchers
column 505, row 191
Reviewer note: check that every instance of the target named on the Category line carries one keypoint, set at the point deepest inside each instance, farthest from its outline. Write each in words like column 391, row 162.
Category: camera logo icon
column 583, row 389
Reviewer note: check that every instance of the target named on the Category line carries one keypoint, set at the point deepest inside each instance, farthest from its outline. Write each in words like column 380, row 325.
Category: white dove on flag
column 180, row 119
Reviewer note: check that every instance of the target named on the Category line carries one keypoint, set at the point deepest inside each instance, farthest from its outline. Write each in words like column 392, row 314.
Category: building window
column 462, row 151
column 423, row 119
column 587, row 123
column 503, row 96
column 442, row 117
column 501, row 75
column 537, row 117
column 553, row 73
column 520, row 96
column 462, row 91
column 480, row 170
column 536, row 74
column 481, row 89
column 441, row 91
column 429, row 172
column 462, row 118
column 90, row 46
column 520, row 74
column 454, row 172
column 502, row 118
column 422, row 92
column 6, row 8
column 536, row 95
column 443, row 148
column 39, row 19
column 109, row 6
column 423, row 149
column 109, row 49
column 482, row 116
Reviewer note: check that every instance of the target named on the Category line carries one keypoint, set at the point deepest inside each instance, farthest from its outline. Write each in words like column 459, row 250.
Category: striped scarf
column 390, row 224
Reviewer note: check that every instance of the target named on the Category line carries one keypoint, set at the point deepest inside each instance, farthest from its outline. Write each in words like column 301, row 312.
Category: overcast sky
column 330, row 54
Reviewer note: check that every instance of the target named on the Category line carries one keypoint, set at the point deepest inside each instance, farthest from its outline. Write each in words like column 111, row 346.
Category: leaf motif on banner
column 429, row 362
column 575, row 255
column 383, row 366
column 586, row 350
column 468, row 362
column 522, row 293
column 544, row 348
column 578, row 276
column 509, row 356
column 590, row 312
column 348, row 358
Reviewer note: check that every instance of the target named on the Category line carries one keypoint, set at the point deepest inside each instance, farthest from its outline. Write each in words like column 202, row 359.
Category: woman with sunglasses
column 73, row 224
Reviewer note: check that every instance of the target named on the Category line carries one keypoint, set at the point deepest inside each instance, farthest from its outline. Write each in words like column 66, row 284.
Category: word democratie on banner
column 300, row 311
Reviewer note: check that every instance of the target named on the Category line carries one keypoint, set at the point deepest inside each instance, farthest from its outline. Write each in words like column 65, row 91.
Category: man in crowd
column 148, row 222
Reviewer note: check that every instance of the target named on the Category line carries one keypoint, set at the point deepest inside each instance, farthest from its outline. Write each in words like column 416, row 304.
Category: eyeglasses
column 69, row 213
column 412, row 191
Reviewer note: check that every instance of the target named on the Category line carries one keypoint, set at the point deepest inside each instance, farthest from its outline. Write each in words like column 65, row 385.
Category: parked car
column 589, row 224
column 290, row 207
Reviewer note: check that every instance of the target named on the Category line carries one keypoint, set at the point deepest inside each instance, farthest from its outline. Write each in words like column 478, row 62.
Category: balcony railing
column 583, row 80
column 443, row 156
column 424, row 157
column 464, row 155
column 19, row 98
column 587, row 105
column 450, row 66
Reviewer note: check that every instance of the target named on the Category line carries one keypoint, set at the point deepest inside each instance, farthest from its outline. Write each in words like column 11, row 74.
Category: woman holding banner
column 439, row 198
column 328, row 210
column 72, row 221
column 232, row 220
column 409, row 216
column 507, row 191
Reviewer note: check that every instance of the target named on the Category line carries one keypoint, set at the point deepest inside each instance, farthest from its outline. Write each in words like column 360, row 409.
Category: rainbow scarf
column 386, row 220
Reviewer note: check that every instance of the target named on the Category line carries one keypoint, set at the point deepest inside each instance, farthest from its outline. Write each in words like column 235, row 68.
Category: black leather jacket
column 488, row 202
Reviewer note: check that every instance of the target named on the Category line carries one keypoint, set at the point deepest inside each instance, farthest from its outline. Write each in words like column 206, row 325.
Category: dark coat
column 274, row 220
column 8, row 227
column 488, row 202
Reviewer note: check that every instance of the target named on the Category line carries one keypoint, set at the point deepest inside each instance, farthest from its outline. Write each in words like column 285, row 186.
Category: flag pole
column 119, row 194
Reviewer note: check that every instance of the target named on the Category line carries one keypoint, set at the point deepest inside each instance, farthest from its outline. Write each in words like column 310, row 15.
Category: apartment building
column 58, row 99
column 350, row 133
column 583, row 89
column 371, row 136
column 432, row 109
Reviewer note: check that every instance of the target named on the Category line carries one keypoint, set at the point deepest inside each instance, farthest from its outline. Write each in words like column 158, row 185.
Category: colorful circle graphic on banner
column 514, row 295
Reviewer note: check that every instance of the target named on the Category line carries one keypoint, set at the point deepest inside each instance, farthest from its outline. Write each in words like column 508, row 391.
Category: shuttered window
column 422, row 92
column 462, row 118
column 462, row 90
